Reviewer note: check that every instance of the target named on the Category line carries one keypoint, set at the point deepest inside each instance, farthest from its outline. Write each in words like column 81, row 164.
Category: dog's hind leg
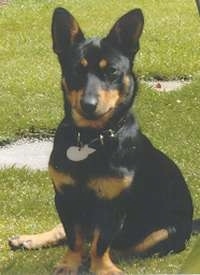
column 49, row 238
column 150, row 241
column 155, row 242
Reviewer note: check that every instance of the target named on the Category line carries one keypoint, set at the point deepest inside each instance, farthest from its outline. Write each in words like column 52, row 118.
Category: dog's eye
column 112, row 73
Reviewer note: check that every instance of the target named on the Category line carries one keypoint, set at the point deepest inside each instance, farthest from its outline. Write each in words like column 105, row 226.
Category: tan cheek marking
column 107, row 100
column 109, row 97
column 96, row 124
column 103, row 63
column 84, row 62
column 74, row 98
column 110, row 187
column 126, row 81
column 60, row 179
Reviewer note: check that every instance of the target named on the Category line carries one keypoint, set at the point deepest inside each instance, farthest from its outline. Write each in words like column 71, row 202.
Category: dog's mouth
column 96, row 120
column 94, row 116
column 88, row 113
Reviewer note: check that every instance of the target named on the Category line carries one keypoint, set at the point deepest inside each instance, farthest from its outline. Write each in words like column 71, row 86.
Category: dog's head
column 97, row 78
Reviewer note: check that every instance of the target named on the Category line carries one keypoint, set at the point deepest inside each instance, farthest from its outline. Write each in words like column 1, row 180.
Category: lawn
column 31, row 104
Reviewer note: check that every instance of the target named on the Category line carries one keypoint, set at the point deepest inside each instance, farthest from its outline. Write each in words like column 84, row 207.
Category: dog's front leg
column 108, row 225
column 68, row 211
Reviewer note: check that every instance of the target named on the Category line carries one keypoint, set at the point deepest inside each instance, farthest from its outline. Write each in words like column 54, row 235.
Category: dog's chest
column 103, row 185
column 89, row 168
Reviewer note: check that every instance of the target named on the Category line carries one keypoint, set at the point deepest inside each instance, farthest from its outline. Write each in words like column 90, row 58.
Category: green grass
column 192, row 264
column 31, row 104
column 26, row 205
column 29, row 75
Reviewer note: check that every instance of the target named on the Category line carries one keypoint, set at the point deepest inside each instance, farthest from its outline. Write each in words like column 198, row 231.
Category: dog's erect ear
column 65, row 30
column 126, row 32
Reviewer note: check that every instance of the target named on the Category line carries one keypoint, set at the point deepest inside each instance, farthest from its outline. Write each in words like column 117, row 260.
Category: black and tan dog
column 112, row 187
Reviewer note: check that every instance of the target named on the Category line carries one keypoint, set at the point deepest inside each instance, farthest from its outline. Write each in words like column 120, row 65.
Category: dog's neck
column 98, row 137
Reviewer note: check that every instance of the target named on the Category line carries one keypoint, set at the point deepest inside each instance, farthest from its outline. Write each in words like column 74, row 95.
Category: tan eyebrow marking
column 103, row 63
column 84, row 62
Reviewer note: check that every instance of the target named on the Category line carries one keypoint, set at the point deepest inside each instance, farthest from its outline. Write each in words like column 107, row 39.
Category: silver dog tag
column 76, row 153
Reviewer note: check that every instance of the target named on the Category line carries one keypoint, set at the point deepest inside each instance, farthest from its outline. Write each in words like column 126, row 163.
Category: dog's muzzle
column 88, row 105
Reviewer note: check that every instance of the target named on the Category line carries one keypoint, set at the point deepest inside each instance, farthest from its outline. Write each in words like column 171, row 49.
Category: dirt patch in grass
column 167, row 86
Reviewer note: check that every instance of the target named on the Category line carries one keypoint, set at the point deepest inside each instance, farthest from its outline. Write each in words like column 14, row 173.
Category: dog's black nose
column 88, row 105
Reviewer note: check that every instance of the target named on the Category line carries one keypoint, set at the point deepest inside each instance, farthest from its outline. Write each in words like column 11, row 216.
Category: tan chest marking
column 60, row 179
column 110, row 187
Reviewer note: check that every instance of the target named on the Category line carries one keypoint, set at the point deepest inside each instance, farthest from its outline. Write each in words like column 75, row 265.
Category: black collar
column 94, row 138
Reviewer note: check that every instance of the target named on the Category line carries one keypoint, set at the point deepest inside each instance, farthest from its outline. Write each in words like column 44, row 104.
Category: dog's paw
column 63, row 269
column 106, row 270
column 109, row 271
column 70, row 263
column 17, row 242
column 30, row 241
